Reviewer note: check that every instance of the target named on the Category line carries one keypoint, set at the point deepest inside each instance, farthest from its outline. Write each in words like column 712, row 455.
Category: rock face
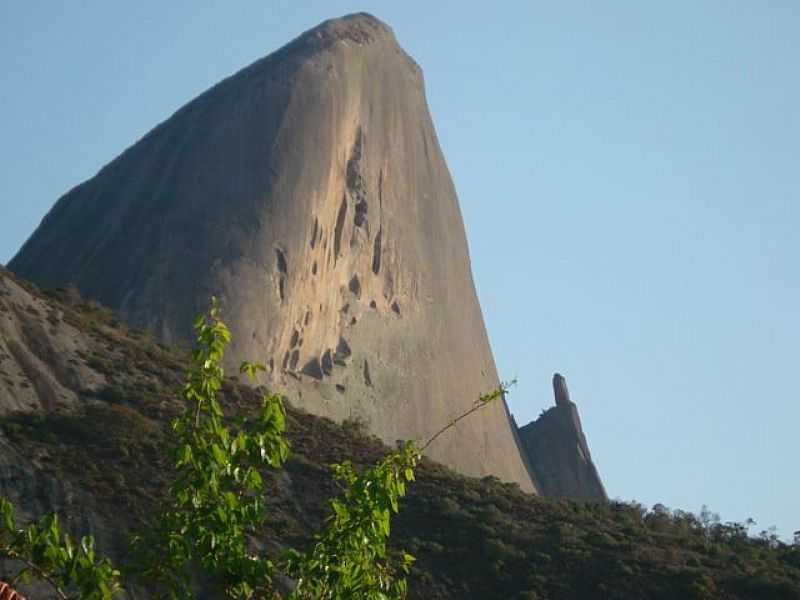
column 309, row 192
column 38, row 350
column 557, row 451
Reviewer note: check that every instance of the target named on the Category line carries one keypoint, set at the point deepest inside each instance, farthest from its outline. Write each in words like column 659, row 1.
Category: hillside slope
column 97, row 458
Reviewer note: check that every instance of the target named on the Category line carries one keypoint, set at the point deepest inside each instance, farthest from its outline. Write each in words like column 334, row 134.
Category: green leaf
column 219, row 454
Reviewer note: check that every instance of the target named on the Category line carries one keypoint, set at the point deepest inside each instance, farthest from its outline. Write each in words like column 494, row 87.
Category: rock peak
column 361, row 28
column 560, row 390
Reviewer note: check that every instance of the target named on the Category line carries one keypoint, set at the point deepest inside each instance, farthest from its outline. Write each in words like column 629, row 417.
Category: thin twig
column 479, row 404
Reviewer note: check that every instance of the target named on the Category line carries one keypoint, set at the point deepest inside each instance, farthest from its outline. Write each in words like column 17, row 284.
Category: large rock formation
column 309, row 192
column 558, row 452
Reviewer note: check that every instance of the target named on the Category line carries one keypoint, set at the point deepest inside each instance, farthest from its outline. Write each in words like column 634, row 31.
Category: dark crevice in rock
column 380, row 193
column 373, row 304
column 361, row 213
column 282, row 265
column 295, row 337
column 314, row 233
column 367, row 378
column 342, row 353
column 295, row 358
column 285, row 362
column 340, row 388
column 354, row 164
column 282, row 287
column 307, row 320
column 355, row 286
column 337, row 232
column 313, row 369
column 376, row 253
column 314, row 268
column 396, row 307
column 355, row 182
column 327, row 362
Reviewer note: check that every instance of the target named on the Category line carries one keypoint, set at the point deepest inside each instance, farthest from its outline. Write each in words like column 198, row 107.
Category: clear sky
column 629, row 177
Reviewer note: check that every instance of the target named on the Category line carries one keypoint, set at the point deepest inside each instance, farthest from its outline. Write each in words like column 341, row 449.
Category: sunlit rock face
column 309, row 192
column 38, row 349
column 558, row 453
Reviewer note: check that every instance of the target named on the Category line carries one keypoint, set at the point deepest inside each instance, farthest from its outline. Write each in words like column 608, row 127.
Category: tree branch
column 479, row 404
column 30, row 566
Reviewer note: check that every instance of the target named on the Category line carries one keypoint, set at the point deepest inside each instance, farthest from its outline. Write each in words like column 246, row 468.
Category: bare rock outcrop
column 558, row 453
column 40, row 364
column 308, row 191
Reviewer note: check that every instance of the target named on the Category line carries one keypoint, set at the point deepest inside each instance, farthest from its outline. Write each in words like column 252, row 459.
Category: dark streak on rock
column 367, row 378
column 337, row 232
column 314, row 233
column 355, row 286
column 376, row 253
column 282, row 265
column 283, row 268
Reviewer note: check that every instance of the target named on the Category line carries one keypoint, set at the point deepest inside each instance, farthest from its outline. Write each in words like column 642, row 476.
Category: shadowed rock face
column 558, row 453
column 309, row 192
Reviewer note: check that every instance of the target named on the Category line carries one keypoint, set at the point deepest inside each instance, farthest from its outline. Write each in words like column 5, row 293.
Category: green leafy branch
column 46, row 553
column 349, row 557
column 216, row 499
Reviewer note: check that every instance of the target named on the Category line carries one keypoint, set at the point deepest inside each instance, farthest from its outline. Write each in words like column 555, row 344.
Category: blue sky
column 628, row 175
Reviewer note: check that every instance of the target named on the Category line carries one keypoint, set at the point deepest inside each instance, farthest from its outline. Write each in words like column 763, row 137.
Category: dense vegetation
column 473, row 538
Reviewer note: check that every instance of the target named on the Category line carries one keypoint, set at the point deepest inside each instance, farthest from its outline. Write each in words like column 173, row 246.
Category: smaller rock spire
column 560, row 390
column 557, row 451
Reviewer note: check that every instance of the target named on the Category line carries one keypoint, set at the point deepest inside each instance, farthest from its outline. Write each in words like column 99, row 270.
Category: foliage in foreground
column 215, row 501
column 473, row 538
column 216, row 505
column 45, row 552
